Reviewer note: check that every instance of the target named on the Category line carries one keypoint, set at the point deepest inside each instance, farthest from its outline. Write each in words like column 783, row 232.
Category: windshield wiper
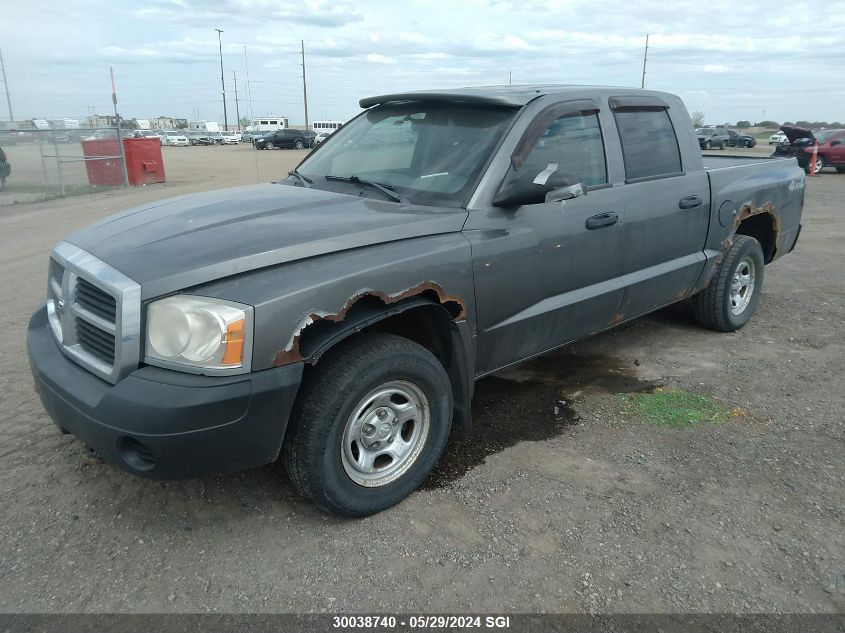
column 305, row 181
column 387, row 190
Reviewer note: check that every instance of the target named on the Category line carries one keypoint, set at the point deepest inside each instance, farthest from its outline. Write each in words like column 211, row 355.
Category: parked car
column 216, row 137
column 801, row 144
column 231, row 137
column 5, row 169
column 100, row 135
column 777, row 138
column 197, row 137
column 321, row 136
column 171, row 137
column 736, row 139
column 286, row 139
column 145, row 134
column 340, row 317
column 710, row 137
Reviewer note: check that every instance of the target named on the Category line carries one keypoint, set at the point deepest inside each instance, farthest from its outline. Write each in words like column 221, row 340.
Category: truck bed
column 724, row 162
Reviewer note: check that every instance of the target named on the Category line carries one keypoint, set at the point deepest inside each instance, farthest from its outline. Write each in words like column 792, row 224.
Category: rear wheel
column 730, row 299
column 369, row 425
column 820, row 164
column 722, row 145
column 841, row 170
column 706, row 144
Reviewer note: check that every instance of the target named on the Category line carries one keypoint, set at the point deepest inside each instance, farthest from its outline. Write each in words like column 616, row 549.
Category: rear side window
column 649, row 145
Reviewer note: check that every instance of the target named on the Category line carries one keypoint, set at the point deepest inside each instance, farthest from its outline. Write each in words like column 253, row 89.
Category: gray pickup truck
column 340, row 318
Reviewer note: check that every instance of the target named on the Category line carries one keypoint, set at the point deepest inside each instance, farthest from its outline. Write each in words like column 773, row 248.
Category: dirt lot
column 565, row 496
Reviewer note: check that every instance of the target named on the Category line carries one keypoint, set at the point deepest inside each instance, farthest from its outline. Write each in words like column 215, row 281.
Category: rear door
column 667, row 209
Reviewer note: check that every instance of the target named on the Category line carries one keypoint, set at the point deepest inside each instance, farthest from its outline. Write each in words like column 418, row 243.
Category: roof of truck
column 510, row 96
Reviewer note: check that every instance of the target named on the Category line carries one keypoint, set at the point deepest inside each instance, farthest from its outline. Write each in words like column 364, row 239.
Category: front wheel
column 369, row 425
column 269, row 146
column 706, row 144
column 299, row 145
column 841, row 170
column 722, row 145
column 819, row 165
column 730, row 299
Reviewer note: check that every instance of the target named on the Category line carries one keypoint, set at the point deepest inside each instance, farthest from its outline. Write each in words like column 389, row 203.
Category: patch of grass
column 678, row 408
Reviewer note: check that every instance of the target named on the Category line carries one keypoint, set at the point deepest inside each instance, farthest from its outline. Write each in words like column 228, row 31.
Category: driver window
column 572, row 142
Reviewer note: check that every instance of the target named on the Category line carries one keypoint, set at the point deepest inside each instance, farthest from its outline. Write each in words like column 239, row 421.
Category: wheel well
column 431, row 325
column 762, row 228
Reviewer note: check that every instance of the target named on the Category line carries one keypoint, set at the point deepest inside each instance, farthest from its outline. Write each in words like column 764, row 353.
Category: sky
column 734, row 60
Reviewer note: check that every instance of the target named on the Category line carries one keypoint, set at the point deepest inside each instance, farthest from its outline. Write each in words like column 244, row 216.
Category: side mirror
column 836, row 142
column 523, row 190
column 565, row 193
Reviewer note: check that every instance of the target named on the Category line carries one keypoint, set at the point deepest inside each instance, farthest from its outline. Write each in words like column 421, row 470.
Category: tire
column 841, row 170
column 706, row 144
column 722, row 145
column 269, row 146
column 820, row 164
column 337, row 404
column 751, row 143
column 722, row 305
column 299, row 144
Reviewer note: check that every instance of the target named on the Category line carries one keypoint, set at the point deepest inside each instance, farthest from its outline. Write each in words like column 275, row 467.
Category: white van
column 269, row 123
column 326, row 126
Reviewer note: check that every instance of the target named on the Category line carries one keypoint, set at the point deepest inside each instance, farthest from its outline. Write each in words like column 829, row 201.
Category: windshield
column 704, row 131
column 430, row 153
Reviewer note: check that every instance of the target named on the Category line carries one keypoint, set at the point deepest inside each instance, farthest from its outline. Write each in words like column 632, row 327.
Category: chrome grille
column 94, row 312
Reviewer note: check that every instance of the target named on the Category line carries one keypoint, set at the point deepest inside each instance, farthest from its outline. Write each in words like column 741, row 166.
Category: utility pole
column 237, row 109
column 248, row 87
column 304, row 86
column 119, row 131
column 509, row 78
column 222, row 81
column 6, row 87
column 645, row 59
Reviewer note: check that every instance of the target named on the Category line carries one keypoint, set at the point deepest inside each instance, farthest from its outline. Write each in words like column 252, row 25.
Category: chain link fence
column 38, row 165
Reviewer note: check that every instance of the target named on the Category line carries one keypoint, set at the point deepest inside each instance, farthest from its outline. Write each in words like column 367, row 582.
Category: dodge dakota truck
column 338, row 319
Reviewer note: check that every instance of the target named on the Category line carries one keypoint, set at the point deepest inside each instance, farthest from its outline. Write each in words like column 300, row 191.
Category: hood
column 796, row 133
column 190, row 240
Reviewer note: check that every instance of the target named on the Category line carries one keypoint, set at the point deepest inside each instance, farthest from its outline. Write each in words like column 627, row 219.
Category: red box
column 144, row 164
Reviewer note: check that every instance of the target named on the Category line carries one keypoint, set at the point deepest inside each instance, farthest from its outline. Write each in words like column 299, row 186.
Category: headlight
column 199, row 334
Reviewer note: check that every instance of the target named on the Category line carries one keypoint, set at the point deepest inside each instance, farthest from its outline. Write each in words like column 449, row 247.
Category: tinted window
column 573, row 143
column 649, row 144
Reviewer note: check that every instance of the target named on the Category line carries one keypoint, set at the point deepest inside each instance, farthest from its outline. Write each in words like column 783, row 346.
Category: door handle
column 601, row 220
column 690, row 202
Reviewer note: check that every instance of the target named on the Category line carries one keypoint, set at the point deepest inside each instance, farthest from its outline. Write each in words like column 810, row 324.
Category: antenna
column 645, row 59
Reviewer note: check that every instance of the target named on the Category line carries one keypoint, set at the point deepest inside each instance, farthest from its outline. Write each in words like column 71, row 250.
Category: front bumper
column 164, row 424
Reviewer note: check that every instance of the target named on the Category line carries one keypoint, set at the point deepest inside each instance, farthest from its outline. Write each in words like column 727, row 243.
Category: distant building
column 168, row 123
column 100, row 120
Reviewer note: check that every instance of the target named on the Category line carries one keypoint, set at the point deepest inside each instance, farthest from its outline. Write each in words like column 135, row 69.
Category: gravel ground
column 583, row 507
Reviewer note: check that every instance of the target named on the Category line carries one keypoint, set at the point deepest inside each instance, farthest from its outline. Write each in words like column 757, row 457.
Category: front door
column 547, row 273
